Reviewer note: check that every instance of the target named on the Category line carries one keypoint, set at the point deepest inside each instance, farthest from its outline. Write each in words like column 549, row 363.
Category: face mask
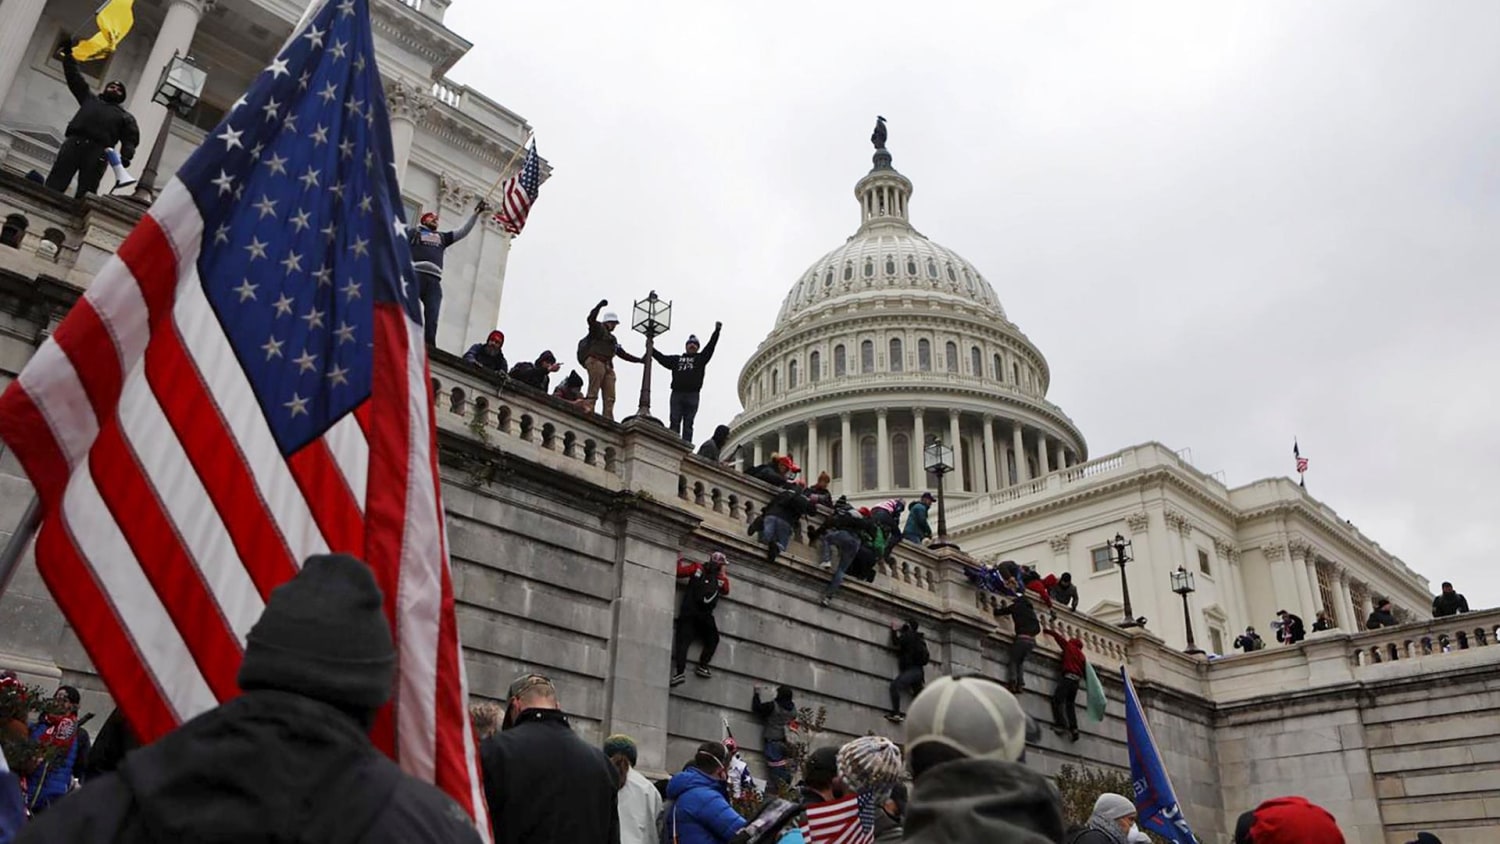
column 1134, row 833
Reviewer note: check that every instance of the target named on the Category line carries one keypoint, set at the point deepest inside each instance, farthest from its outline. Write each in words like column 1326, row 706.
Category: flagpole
column 505, row 171
column 20, row 537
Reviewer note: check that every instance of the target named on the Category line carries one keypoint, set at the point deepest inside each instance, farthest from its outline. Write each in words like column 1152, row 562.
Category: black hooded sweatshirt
column 104, row 123
column 1023, row 614
column 687, row 368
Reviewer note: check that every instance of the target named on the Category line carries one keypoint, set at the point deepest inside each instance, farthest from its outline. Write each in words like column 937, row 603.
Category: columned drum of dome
column 889, row 340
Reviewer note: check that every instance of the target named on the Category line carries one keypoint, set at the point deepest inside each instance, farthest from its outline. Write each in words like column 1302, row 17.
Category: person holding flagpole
column 100, row 123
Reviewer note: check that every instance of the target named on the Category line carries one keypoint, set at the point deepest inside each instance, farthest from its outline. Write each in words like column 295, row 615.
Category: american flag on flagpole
column 244, row 384
column 519, row 193
column 848, row 820
column 1301, row 461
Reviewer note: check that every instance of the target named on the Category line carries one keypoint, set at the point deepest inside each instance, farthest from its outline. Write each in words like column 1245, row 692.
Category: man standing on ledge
column 427, row 248
column 687, row 380
column 101, row 122
column 597, row 353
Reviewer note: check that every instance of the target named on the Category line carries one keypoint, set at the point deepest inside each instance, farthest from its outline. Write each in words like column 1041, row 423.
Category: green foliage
column 17, row 704
column 1080, row 787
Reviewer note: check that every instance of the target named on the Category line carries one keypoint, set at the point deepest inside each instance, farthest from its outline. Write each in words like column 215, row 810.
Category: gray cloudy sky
column 1224, row 224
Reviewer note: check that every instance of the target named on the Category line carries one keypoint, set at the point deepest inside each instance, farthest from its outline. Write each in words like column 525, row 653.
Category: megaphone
column 123, row 179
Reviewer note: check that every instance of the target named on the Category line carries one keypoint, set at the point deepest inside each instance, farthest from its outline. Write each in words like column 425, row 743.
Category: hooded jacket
column 210, row 781
column 701, row 813
column 480, row 355
column 917, row 528
column 779, row 713
column 790, row 505
column 105, row 124
column 714, row 448
column 687, row 368
column 1073, row 660
column 1449, row 603
column 571, row 389
column 911, row 648
column 703, row 592
column 1023, row 615
column 983, row 800
column 534, row 374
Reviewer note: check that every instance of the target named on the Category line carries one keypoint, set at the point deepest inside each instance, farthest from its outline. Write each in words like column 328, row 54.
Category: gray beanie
column 1112, row 807
column 969, row 717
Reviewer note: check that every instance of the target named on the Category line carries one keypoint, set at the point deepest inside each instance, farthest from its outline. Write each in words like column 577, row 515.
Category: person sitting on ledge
column 490, row 354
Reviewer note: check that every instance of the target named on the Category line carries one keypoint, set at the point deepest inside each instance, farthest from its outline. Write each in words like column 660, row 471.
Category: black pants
column 1065, row 703
column 684, row 409
column 700, row 626
column 432, row 302
column 910, row 678
column 83, row 158
column 1019, row 650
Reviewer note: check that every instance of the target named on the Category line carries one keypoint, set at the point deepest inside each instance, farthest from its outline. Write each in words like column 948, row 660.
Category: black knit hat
column 324, row 635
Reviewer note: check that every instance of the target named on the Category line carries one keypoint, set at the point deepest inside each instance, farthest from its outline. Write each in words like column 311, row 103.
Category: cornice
column 1331, row 531
column 420, row 34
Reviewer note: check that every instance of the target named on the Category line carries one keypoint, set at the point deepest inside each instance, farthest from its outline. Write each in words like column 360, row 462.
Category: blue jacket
column 702, row 810
column 917, row 528
column 43, row 791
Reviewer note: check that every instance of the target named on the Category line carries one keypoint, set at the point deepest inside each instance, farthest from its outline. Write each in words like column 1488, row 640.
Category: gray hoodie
column 983, row 800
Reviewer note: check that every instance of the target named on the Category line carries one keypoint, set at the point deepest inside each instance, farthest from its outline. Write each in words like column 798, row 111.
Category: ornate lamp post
column 938, row 459
column 1182, row 584
column 1121, row 548
column 179, row 88
column 652, row 317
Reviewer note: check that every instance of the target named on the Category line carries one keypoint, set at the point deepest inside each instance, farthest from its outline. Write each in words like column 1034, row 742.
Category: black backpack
column 1081, row 835
column 924, row 656
column 583, row 350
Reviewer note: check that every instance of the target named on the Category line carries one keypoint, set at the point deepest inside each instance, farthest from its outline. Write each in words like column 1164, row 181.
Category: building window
column 924, row 355
column 869, row 466
column 1203, row 565
column 890, row 265
column 1015, row 374
column 1101, row 559
column 999, row 369
column 952, row 276
column 814, row 367
column 932, row 270
column 867, row 357
column 869, row 268
column 976, row 362
column 836, row 459
column 1325, row 591
column 840, row 366
column 1216, row 638
column 968, row 473
column 848, row 270
column 791, row 375
column 1010, row 468
column 895, row 351
column 911, row 265
column 901, row 461
column 950, row 351
column 828, row 278
column 775, row 381
column 413, row 208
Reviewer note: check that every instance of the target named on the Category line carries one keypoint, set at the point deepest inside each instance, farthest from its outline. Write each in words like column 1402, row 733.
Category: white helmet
column 610, row 316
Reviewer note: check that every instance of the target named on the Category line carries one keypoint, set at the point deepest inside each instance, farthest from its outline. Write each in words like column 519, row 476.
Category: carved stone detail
column 406, row 101
column 1137, row 522
column 1273, row 551
column 453, row 193
column 1225, row 549
column 1059, row 543
column 1179, row 522
column 1300, row 548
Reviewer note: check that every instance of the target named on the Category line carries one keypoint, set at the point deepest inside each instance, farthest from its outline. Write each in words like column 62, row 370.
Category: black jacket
column 1065, row 594
column 1381, row 618
column 106, row 124
column 911, row 648
column 687, row 370
column 268, row 767
column 1291, row 630
column 548, row 786
column 1023, row 614
column 777, row 716
column 1449, row 603
column 767, row 473
column 791, row 505
column 479, row 355
column 532, row 374
column 983, row 800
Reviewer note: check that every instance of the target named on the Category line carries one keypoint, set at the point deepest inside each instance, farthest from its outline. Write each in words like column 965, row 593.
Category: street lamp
column 181, row 84
column 652, row 317
column 938, row 459
column 1182, row 584
column 1121, row 548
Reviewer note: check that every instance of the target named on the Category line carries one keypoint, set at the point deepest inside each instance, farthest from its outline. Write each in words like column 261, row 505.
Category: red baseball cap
column 1287, row 820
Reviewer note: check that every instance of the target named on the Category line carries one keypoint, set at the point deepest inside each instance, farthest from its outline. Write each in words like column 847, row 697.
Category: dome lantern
column 883, row 193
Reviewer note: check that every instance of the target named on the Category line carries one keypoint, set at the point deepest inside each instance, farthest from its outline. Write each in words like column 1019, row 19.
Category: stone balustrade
column 1432, row 639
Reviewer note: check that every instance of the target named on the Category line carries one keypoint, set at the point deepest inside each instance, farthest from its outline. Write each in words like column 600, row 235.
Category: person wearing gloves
column 428, row 246
column 597, row 352
column 687, row 380
column 1112, row 822
column 100, row 123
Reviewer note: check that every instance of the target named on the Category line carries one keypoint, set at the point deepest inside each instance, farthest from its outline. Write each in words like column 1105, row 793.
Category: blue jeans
column 432, row 302
column 684, row 409
column 777, row 531
column 848, row 546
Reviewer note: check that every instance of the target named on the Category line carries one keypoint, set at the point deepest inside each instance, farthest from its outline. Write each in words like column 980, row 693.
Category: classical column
column 1002, row 463
column 882, row 450
column 781, row 441
column 21, row 18
column 1283, row 585
column 810, row 465
column 1041, row 454
column 1311, row 563
column 958, row 454
column 1060, row 460
column 408, row 106
column 1299, row 551
column 760, row 454
column 991, row 476
column 175, row 36
column 919, row 446
column 848, row 448
column 1018, row 448
column 1230, row 557
column 1350, row 618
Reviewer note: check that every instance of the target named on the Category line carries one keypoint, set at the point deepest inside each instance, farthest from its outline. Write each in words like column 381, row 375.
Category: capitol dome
column 889, row 341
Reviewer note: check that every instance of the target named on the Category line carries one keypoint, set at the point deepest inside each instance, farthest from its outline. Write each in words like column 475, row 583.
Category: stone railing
column 1104, row 644
column 90, row 231
column 448, row 93
column 1435, row 638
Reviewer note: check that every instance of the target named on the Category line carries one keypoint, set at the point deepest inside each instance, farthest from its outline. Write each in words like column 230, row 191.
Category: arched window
column 839, row 364
column 867, row 357
column 848, row 270
column 924, row 355
column 791, row 374
column 953, row 277
column 950, row 352
column 1015, row 374
column 775, row 381
column 976, row 362
column 901, row 461
column 911, row 265
column 869, row 466
column 869, row 268
column 890, row 265
column 932, row 270
column 999, row 369
column 814, row 367
column 896, row 361
column 828, row 278
column 836, row 459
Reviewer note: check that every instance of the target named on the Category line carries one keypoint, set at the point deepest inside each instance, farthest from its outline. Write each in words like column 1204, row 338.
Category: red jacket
column 1073, row 660
column 688, row 568
column 1039, row 586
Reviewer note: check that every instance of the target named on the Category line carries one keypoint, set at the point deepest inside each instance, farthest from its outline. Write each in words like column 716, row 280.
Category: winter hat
column 783, row 694
column 821, row 767
column 692, row 340
column 621, row 744
column 870, row 763
column 324, row 635
column 610, row 316
column 718, row 558
column 1425, row 838
column 1287, row 820
column 964, row 717
column 497, row 334
column 547, row 358
column 1112, row 807
column 574, row 379
column 927, row 496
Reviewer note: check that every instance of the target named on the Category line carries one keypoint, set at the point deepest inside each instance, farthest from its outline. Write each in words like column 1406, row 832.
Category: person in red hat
column 1287, row 820
column 490, row 354
column 779, row 518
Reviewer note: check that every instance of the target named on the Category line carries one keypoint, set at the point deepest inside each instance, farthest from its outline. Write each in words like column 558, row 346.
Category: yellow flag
column 115, row 18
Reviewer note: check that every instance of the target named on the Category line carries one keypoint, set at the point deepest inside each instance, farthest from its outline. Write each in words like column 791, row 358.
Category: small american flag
column 243, row 385
column 848, row 820
column 1301, row 461
column 519, row 192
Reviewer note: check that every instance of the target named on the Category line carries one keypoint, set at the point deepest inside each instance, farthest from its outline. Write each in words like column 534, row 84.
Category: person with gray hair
column 1112, row 822
column 965, row 744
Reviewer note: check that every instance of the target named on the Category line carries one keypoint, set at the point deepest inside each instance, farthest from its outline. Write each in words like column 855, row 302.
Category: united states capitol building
column 891, row 339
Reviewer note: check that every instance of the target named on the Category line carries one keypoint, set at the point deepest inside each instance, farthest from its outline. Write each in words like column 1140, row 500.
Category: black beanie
column 324, row 635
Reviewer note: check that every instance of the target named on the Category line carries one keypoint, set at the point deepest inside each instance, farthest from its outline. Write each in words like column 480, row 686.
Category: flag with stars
column 244, row 385
column 519, row 193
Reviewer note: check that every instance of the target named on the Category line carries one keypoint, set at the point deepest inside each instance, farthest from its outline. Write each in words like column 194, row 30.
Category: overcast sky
column 1225, row 225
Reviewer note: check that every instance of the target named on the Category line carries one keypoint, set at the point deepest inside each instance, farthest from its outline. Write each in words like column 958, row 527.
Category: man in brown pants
column 599, row 350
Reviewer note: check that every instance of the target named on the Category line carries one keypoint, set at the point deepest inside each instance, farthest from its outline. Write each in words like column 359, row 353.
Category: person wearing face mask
column 700, row 812
column 427, row 248
column 100, row 123
column 1113, row 822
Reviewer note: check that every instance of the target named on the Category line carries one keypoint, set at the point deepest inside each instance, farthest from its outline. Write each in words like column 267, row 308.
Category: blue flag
column 1155, row 801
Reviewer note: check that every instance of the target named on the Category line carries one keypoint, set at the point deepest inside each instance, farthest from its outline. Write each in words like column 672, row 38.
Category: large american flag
column 848, row 820
column 518, row 193
column 243, row 385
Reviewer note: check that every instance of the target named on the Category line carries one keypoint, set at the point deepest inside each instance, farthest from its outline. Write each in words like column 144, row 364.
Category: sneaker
column 895, row 717
column 826, row 601
column 828, row 567
column 678, row 679
column 702, row 672
column 1073, row 736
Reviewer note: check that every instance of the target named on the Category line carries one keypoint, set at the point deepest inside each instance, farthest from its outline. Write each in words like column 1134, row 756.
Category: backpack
column 666, row 821
column 583, row 350
column 924, row 656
